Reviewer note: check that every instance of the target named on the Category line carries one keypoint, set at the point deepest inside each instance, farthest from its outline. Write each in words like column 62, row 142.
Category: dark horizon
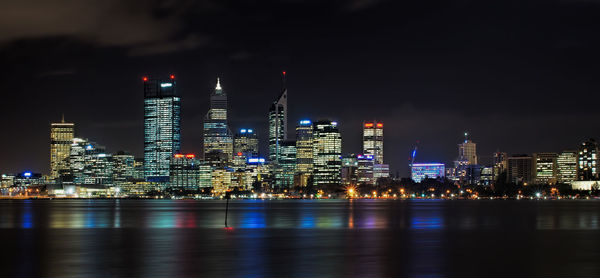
column 520, row 77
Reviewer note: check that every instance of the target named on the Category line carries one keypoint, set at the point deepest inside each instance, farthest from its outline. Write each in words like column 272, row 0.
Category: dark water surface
column 299, row 238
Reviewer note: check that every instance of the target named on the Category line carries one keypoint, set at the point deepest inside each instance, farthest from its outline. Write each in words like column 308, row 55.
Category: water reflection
column 359, row 238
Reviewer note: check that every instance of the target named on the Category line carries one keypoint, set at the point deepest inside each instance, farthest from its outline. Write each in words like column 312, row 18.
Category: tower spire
column 218, row 87
column 283, row 81
column 63, row 118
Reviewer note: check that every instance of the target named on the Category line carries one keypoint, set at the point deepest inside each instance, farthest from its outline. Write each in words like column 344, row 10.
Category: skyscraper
column 588, row 161
column 327, row 152
column 567, row 167
column 519, row 169
column 245, row 145
column 278, row 123
column 373, row 140
column 162, row 127
column 287, row 165
column 304, row 152
column 217, row 136
column 61, row 138
column 545, row 168
column 467, row 151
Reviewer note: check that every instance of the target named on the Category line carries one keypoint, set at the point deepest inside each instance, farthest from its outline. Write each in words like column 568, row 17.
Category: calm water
column 333, row 238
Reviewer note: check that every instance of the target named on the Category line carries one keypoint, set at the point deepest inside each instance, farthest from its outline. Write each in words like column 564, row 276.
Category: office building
column 364, row 171
column 185, row 172
column 349, row 172
column 499, row 164
column 245, row 145
column 217, row 135
column 467, row 151
column 519, row 169
column 278, row 124
column 327, row 151
column 566, row 166
column 61, row 138
column 588, row 161
column 373, row 140
column 286, row 168
column 162, row 127
column 545, row 166
column 421, row 171
column 123, row 168
column 304, row 153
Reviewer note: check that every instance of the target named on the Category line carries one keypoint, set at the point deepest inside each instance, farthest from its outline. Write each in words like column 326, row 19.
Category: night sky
column 520, row 76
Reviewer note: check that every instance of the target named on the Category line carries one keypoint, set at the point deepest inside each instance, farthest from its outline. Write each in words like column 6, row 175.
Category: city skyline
column 427, row 74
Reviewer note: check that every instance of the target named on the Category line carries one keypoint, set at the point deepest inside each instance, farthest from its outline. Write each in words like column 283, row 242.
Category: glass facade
column 327, row 151
column 545, row 168
column 162, row 127
column 567, row 167
column 185, row 172
column 304, row 152
column 588, row 161
column 373, row 140
column 277, row 126
column 217, row 135
column 61, row 138
column 420, row 171
column 245, row 145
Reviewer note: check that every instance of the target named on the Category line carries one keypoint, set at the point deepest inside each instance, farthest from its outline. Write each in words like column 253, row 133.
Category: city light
column 164, row 85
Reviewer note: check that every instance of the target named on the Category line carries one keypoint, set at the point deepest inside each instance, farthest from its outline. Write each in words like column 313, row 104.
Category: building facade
column 327, row 151
column 278, row 124
column 304, row 153
column 162, row 127
column 587, row 161
column 566, row 166
column 61, row 138
column 421, row 171
column 519, row 169
column 217, row 135
column 185, row 172
column 373, row 140
column 545, row 165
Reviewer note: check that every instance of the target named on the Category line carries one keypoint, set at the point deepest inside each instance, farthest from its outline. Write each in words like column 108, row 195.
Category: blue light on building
column 420, row 171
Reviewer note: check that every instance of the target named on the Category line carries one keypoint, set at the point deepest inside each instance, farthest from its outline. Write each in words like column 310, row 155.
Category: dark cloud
column 58, row 72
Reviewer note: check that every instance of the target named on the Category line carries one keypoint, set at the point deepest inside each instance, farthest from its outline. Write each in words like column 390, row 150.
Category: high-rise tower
column 588, row 161
column 327, row 153
column 162, row 127
column 373, row 140
column 467, row 151
column 304, row 152
column 278, row 123
column 217, row 135
column 61, row 138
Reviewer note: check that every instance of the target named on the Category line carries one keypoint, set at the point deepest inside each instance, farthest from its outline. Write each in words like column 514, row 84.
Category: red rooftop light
column 145, row 78
column 178, row 155
column 369, row 125
column 190, row 155
column 379, row 125
column 283, row 72
column 172, row 76
column 239, row 154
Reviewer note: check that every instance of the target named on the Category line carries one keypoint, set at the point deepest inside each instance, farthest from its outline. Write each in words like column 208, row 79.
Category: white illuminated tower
column 373, row 140
column 278, row 123
column 61, row 138
column 162, row 127
column 217, row 135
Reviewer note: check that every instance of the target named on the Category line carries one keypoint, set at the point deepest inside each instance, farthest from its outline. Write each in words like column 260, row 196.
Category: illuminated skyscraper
column 278, row 124
column 304, row 152
column 162, row 127
column 90, row 164
column 245, row 145
column 364, row 171
column 327, row 152
column 373, row 140
column 588, row 161
column 467, row 151
column 545, row 168
column 185, row 172
column 217, row 136
column 284, row 178
column 566, row 164
column 61, row 138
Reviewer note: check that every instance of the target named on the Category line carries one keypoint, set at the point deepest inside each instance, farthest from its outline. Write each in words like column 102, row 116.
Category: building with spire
column 217, row 135
column 162, row 127
column 61, row 138
column 467, row 151
column 278, row 123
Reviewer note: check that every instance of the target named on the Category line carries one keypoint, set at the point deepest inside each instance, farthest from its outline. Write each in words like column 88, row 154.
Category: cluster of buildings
column 578, row 167
column 304, row 157
column 312, row 157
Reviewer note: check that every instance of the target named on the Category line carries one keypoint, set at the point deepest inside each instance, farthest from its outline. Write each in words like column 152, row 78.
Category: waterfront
column 300, row 238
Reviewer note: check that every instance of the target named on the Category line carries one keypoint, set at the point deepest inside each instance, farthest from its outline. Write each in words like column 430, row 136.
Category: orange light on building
column 239, row 154
column 379, row 125
column 178, row 155
column 369, row 125
column 145, row 78
column 172, row 76
column 190, row 155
